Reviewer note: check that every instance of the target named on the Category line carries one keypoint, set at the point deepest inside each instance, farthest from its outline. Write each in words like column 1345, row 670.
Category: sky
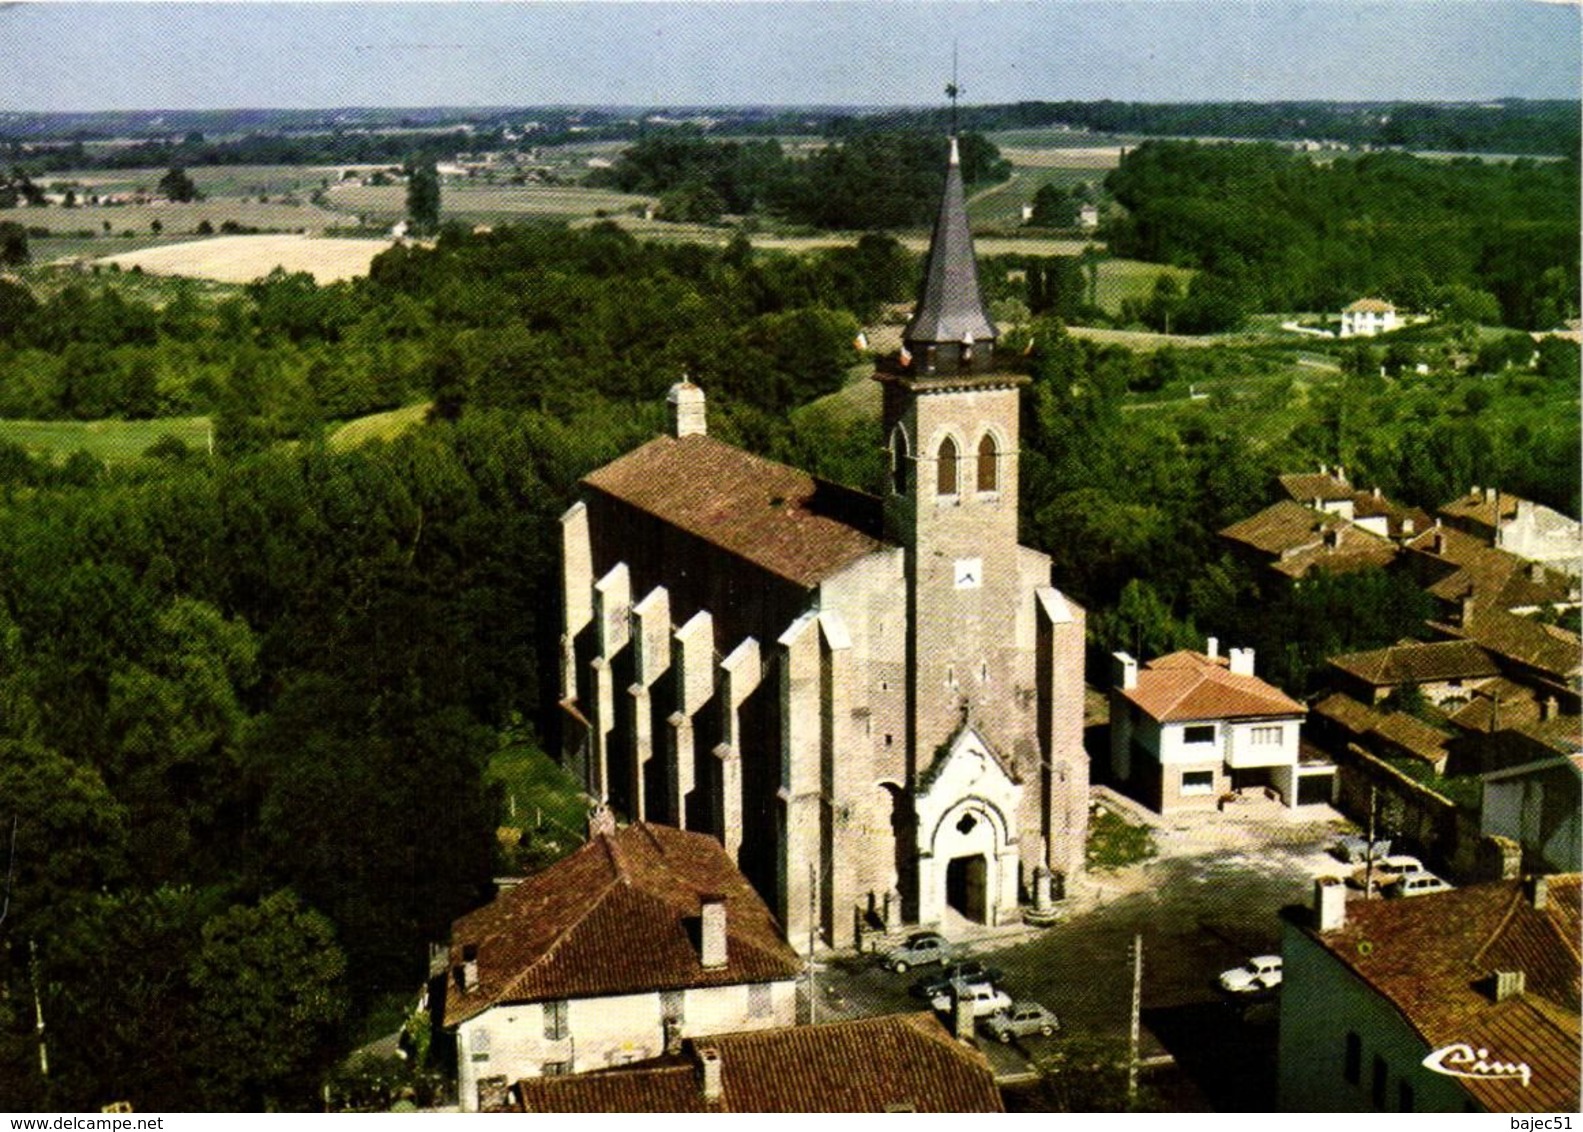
column 126, row 56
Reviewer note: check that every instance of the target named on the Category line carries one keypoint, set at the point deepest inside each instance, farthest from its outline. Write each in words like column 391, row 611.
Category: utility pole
column 1137, row 1006
column 1368, row 850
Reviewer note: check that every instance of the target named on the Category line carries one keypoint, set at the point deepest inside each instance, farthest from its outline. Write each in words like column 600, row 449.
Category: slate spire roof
column 952, row 306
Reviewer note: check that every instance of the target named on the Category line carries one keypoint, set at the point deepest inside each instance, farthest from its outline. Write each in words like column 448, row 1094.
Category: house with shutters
column 612, row 955
column 874, row 703
column 1368, row 317
column 1191, row 728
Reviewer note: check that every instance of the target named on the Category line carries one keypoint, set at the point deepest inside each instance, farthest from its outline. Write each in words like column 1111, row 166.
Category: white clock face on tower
column 969, row 573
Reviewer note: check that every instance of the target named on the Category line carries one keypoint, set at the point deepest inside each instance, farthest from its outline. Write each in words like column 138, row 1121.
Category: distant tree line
column 868, row 180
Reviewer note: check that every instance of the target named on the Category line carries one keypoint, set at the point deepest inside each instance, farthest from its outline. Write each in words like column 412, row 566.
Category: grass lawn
column 1114, row 842
column 537, row 791
column 378, row 426
column 1121, row 279
column 1000, row 206
column 109, row 440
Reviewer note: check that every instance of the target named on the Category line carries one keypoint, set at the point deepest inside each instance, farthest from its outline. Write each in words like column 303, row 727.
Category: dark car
column 969, row 971
column 918, row 950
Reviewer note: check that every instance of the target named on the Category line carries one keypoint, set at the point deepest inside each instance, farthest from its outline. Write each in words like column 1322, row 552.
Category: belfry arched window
column 946, row 468
column 898, row 462
column 988, row 464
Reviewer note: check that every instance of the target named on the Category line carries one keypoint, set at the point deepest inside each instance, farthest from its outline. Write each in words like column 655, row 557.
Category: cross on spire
column 952, row 90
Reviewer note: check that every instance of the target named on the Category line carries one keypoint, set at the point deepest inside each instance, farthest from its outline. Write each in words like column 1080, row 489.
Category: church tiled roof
column 1434, row 958
column 779, row 518
column 952, row 306
column 615, row 918
column 891, row 1062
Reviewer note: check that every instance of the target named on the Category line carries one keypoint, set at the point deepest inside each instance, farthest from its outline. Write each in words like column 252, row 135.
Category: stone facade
column 875, row 704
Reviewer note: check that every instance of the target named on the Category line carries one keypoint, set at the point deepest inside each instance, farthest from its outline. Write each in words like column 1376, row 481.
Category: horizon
column 75, row 58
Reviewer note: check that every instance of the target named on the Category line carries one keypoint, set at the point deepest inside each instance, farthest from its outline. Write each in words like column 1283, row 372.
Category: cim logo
column 1462, row 1060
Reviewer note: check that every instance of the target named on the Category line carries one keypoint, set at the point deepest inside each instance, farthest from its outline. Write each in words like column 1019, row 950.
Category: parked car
column 1418, row 884
column 1387, row 870
column 917, row 950
column 985, row 999
column 969, row 971
column 1022, row 1019
column 1355, row 849
column 1258, row 976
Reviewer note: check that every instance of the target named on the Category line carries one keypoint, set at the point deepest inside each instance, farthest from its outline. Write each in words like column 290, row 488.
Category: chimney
column 1341, row 473
column 1212, row 647
column 1489, row 495
column 1407, row 527
column 1438, row 544
column 709, row 1067
column 1466, row 613
column 1509, row 984
column 1126, row 671
column 1317, row 503
column 1241, row 662
column 601, row 820
column 467, row 970
column 1333, row 537
column 1476, row 493
column 684, row 406
column 1376, row 491
column 961, row 1013
column 1536, row 572
column 1538, row 890
column 1547, row 709
column 1330, row 903
column 712, row 932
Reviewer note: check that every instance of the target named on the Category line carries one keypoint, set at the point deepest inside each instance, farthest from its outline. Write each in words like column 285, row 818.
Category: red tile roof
column 1418, row 663
column 1296, row 538
column 1304, row 487
column 618, row 916
column 1372, row 306
column 1188, row 685
column 864, row 1065
column 1548, row 648
column 780, row 518
column 1433, row 957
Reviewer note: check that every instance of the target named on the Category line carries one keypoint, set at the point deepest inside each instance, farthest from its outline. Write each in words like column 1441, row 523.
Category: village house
column 611, row 955
column 875, row 704
column 1445, row 673
column 1329, row 491
column 1368, row 317
column 1458, row 1001
column 891, row 1063
column 1190, row 728
column 1293, row 539
column 1529, row 530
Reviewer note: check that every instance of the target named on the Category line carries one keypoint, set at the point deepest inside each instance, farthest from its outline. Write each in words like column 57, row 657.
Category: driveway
column 1205, row 903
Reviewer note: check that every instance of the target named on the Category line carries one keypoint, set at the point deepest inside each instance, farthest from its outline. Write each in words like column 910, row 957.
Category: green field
column 378, row 426
column 1000, row 206
column 1121, row 279
column 537, row 791
column 486, row 203
column 111, row 441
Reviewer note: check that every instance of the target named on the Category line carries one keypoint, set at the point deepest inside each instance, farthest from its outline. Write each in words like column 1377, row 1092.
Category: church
column 875, row 704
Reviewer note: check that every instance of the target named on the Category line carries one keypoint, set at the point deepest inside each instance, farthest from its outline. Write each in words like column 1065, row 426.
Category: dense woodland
column 1273, row 230
column 247, row 697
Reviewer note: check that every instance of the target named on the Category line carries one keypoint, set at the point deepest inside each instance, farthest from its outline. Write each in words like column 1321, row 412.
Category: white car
column 1259, row 975
column 1388, row 870
column 985, row 998
column 1418, row 884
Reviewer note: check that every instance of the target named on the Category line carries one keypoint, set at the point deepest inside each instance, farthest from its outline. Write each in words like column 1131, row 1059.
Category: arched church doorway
column 966, row 887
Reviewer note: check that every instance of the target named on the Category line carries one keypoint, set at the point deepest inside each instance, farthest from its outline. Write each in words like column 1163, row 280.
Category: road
column 1206, row 903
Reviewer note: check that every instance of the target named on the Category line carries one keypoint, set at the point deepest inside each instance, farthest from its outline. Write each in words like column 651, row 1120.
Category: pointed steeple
column 951, row 331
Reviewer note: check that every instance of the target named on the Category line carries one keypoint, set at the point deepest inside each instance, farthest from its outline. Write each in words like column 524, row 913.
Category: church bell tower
column 951, row 429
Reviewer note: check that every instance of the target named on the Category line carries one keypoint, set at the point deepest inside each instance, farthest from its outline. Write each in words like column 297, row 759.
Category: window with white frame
column 1267, row 736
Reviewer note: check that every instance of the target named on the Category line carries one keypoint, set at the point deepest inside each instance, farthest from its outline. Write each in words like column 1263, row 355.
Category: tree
column 1054, row 207
column 423, row 198
column 270, row 987
column 13, row 243
column 176, row 185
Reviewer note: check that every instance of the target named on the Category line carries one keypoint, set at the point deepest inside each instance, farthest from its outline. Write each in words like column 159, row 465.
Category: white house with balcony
column 1192, row 728
column 641, row 938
